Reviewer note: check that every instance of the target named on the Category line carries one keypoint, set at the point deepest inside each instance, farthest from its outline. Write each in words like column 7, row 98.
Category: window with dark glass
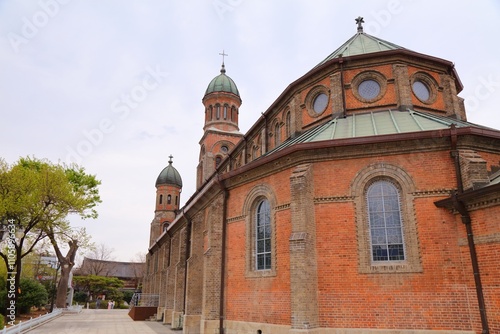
column 263, row 235
column 384, row 215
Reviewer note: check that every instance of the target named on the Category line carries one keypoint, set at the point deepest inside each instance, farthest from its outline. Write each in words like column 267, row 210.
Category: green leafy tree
column 36, row 198
column 94, row 286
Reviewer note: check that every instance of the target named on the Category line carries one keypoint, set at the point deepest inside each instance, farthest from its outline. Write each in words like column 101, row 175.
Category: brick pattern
column 303, row 265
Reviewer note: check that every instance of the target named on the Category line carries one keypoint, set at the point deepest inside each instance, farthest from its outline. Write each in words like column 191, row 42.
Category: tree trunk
column 67, row 262
column 62, row 287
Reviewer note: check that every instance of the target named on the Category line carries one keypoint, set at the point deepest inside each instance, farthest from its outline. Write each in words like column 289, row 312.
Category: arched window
column 263, row 236
column 277, row 136
column 217, row 111
column 169, row 199
column 218, row 160
column 225, row 111
column 384, row 216
column 161, row 199
column 287, row 124
column 386, row 225
column 176, row 200
column 233, row 114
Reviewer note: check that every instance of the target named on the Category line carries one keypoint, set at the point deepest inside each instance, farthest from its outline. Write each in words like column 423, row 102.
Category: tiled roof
column 122, row 270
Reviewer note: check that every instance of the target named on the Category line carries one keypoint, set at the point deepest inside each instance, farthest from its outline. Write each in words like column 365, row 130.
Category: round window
column 224, row 149
column 421, row 90
column 320, row 103
column 369, row 89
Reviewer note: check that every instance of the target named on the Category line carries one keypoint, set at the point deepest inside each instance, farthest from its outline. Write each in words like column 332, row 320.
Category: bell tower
column 221, row 132
column 168, row 196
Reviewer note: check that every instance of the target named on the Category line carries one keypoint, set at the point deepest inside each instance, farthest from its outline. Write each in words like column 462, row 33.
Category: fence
column 144, row 299
column 23, row 326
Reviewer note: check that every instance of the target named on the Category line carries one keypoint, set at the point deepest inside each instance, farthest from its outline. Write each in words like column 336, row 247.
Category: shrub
column 32, row 294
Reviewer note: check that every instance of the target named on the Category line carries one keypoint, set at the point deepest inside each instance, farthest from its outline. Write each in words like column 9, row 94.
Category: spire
column 223, row 69
column 360, row 22
column 170, row 159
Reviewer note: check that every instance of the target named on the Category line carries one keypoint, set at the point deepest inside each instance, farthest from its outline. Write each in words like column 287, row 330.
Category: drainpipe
column 188, row 255
column 344, row 106
column 223, row 255
column 467, row 221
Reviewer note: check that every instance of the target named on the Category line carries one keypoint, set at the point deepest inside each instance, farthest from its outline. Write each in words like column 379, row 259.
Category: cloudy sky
column 116, row 86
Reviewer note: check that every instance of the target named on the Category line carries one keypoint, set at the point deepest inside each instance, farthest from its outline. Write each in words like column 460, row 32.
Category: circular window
column 224, row 149
column 369, row 89
column 320, row 103
column 421, row 91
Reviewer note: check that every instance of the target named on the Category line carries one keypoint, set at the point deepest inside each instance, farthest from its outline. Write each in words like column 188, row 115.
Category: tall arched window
column 217, row 111
column 225, row 111
column 263, row 235
column 287, row 124
column 161, row 199
column 384, row 216
column 169, row 199
column 276, row 134
column 233, row 114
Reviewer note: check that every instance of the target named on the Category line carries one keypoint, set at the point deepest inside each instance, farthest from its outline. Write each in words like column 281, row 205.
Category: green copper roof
column 375, row 123
column 169, row 175
column 222, row 83
column 359, row 44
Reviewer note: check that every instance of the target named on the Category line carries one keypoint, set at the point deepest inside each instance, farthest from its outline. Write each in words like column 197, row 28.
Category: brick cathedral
column 360, row 201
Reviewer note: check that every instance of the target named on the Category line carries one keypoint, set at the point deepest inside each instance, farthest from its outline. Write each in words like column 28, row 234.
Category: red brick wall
column 442, row 296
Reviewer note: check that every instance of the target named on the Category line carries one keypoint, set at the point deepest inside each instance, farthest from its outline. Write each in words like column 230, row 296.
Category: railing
column 22, row 326
column 144, row 299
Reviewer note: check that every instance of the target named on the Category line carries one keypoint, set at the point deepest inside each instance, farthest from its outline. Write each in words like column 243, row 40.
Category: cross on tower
column 360, row 22
column 223, row 54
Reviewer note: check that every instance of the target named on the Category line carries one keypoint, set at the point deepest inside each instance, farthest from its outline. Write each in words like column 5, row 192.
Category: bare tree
column 99, row 261
column 139, row 267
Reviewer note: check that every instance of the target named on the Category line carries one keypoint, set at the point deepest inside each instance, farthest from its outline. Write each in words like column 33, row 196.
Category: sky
column 116, row 86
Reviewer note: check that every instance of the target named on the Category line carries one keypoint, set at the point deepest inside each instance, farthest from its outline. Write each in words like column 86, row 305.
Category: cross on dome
column 359, row 20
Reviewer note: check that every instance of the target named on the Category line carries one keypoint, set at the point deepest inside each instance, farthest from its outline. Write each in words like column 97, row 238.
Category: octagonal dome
column 222, row 83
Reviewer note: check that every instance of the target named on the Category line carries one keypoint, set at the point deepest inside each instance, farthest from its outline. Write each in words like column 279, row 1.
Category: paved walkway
column 100, row 322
